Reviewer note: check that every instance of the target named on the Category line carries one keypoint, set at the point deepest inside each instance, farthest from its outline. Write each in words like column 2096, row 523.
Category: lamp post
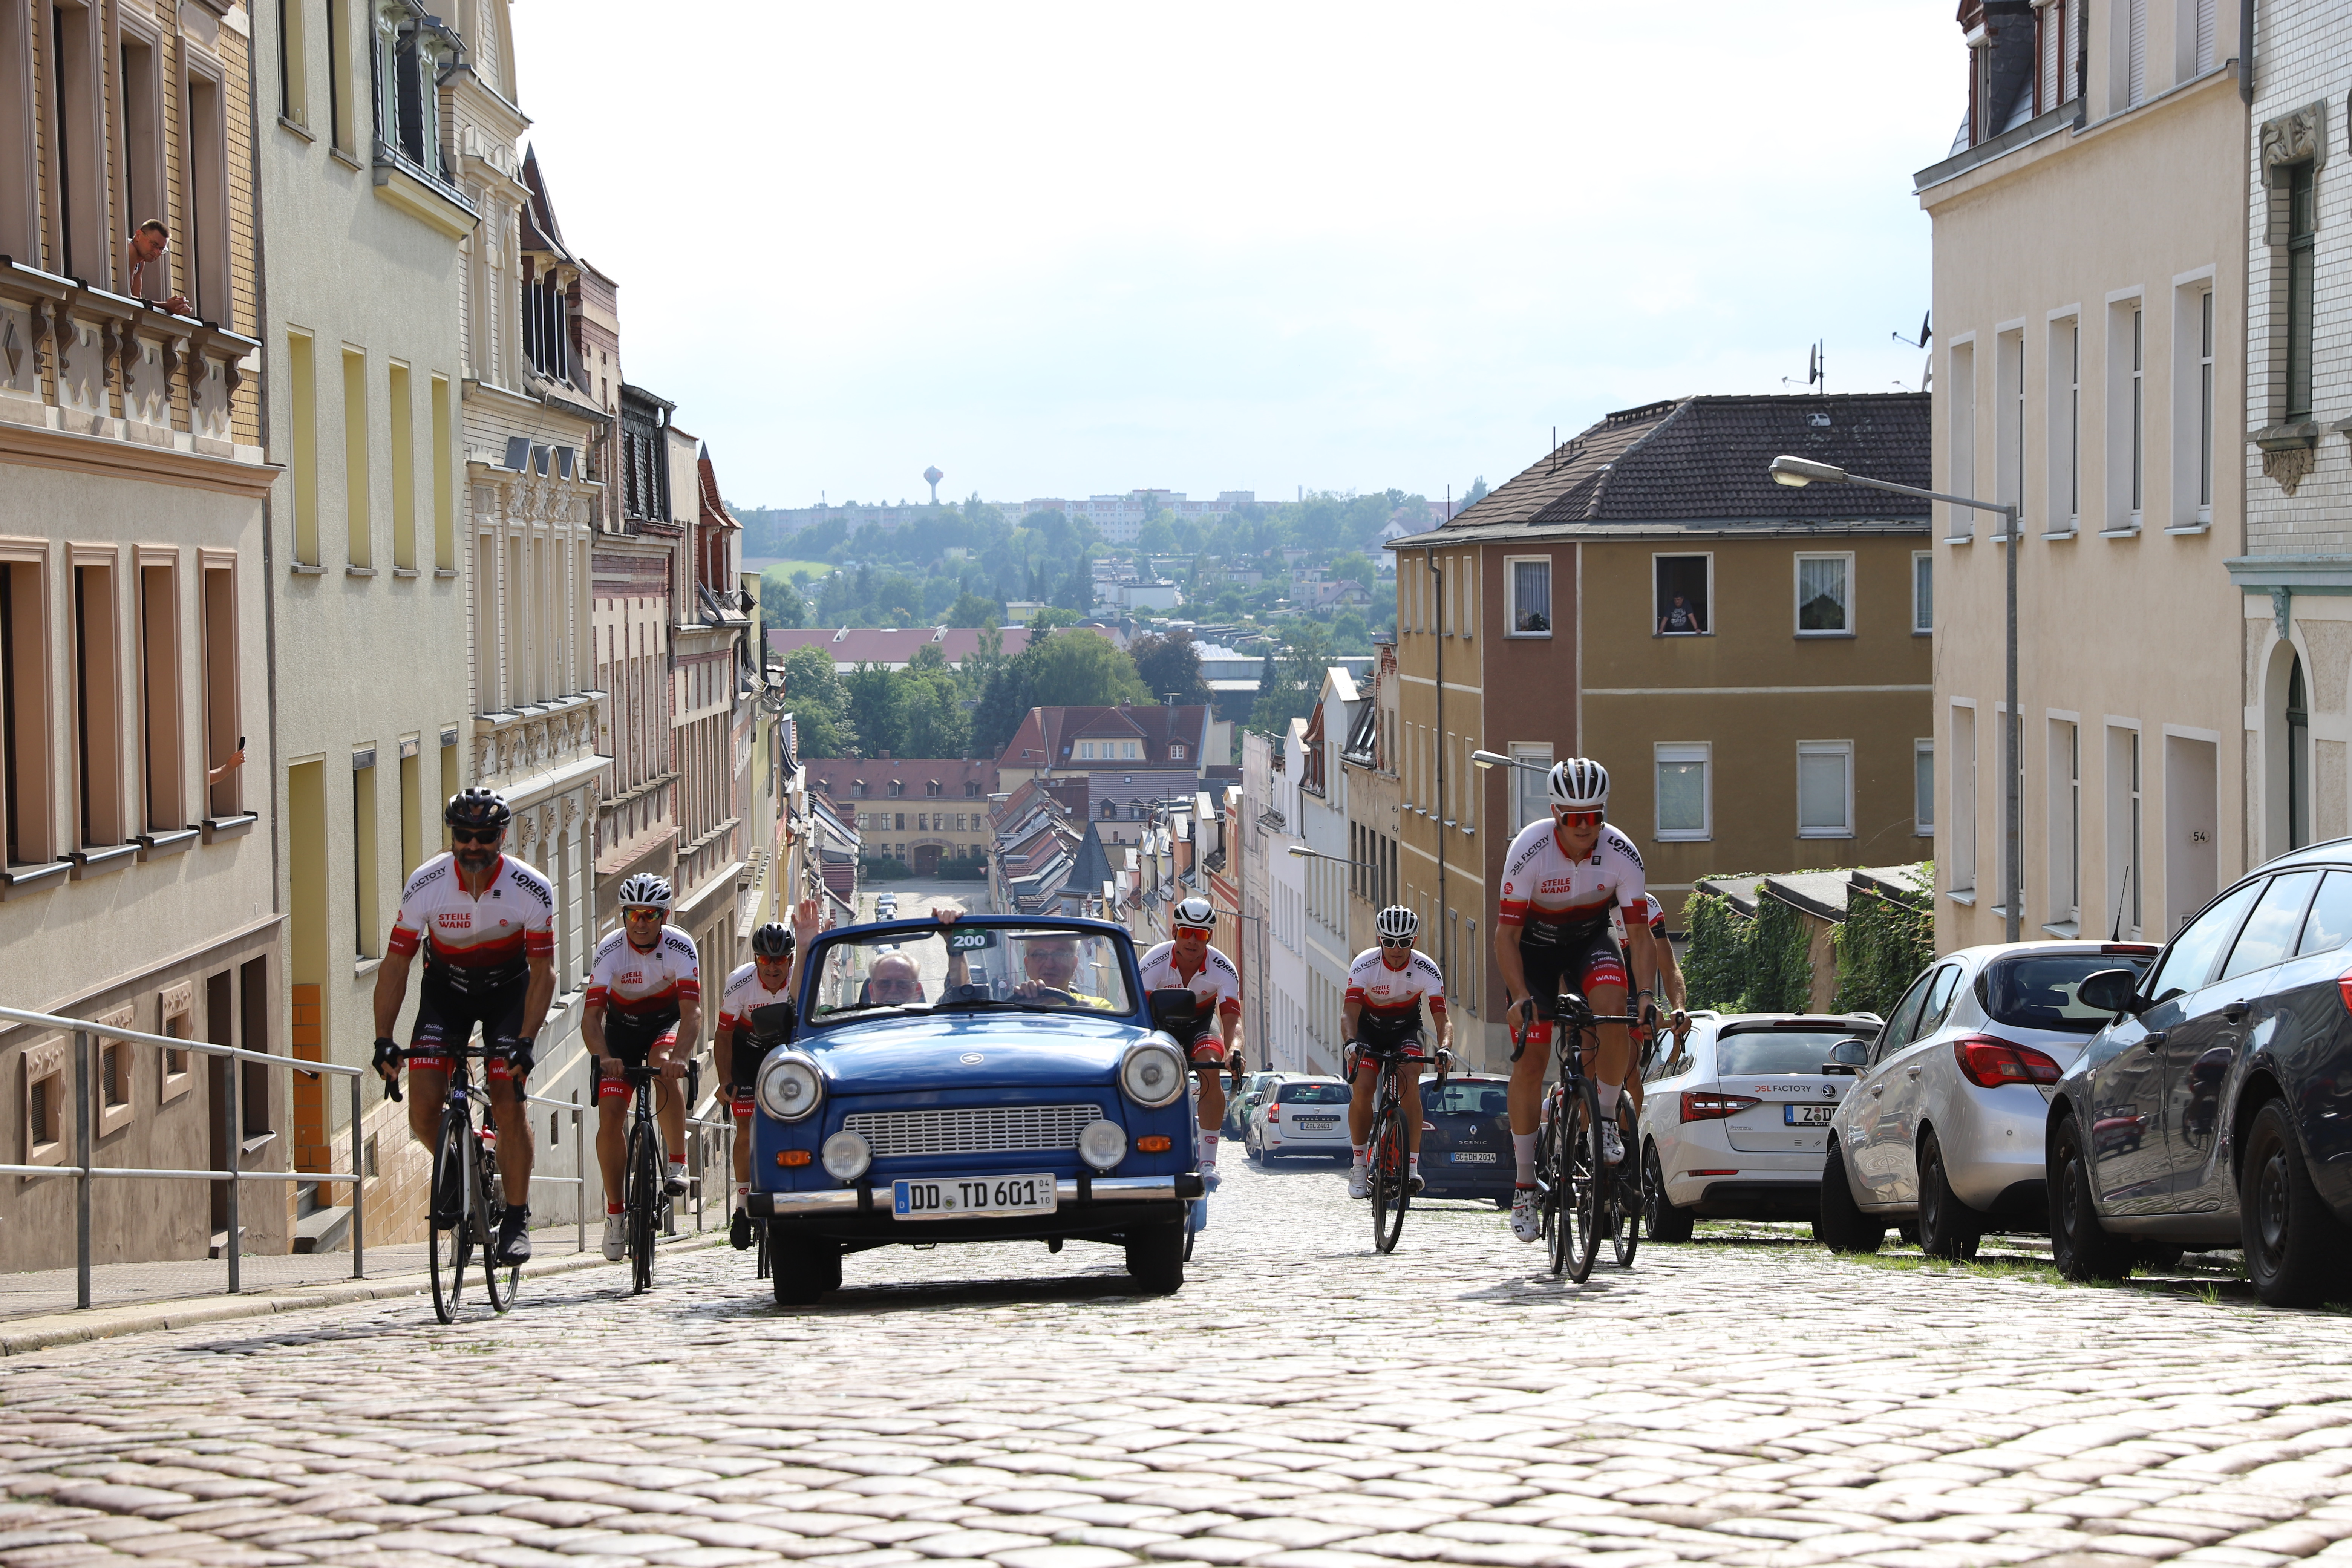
column 1801, row 471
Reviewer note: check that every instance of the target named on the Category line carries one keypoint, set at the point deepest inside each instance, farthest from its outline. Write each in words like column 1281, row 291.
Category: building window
column 363, row 855
column 1923, row 592
column 1825, row 789
column 1923, row 789
column 2126, row 415
column 2205, row 367
column 1530, row 598
column 25, row 755
column 2124, row 829
column 1529, row 800
column 1963, row 787
column 2131, row 53
column 1684, row 800
column 1127, row 751
column 302, row 376
column 971, row 791
column 358, row 469
column 400, row 406
column 97, row 727
column 1825, row 596
column 205, row 163
column 410, row 51
column 898, row 788
column 224, row 717
column 163, row 768
column 1961, row 379
column 2065, row 820
column 2301, row 227
column 77, row 143
column 931, row 787
column 2008, row 434
column 1176, row 752
column 1682, row 594
column 2065, row 472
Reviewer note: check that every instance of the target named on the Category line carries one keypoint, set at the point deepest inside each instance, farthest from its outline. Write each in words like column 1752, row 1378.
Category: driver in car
column 892, row 981
column 1051, row 963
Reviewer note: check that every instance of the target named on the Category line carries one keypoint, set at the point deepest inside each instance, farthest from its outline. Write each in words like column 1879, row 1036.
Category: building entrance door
column 927, row 860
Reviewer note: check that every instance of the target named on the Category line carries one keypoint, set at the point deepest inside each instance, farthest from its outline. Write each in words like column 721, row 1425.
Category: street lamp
column 1801, row 471
column 1482, row 760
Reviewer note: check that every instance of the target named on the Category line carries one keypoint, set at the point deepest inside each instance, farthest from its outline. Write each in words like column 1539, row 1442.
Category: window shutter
column 2205, row 9
column 2135, row 52
column 2050, row 87
column 2069, row 69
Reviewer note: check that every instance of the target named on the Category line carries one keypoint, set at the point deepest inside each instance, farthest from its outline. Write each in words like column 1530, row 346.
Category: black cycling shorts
column 631, row 1039
column 446, row 1016
column 1400, row 1037
column 1584, row 957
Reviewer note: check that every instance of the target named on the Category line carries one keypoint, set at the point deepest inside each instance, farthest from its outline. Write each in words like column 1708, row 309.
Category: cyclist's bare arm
column 1641, row 947
column 690, row 1033
column 390, row 989
column 541, row 993
column 592, row 1031
column 1506, row 960
column 1351, row 1014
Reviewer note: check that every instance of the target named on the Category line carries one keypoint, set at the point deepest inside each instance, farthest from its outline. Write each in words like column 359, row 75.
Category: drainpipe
column 1437, row 630
column 2246, row 51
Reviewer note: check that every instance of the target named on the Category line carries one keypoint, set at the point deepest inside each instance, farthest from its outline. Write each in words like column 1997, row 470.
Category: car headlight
column 790, row 1087
column 1152, row 1073
column 1102, row 1144
column 845, row 1155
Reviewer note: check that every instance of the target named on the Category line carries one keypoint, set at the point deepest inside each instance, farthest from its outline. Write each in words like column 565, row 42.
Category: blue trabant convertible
column 998, row 1079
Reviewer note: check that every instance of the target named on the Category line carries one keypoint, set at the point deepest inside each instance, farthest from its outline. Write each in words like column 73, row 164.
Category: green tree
column 1156, row 538
column 1297, row 681
column 1353, row 566
column 874, row 709
column 970, row 610
column 780, row 603
column 1170, row 664
column 1051, row 616
column 1079, row 668
column 820, row 708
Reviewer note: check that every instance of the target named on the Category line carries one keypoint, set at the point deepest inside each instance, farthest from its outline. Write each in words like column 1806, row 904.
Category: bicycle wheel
column 1625, row 1193
column 1388, row 1194
column 1582, row 1174
column 1550, row 1222
column 492, row 1212
column 445, row 1244
column 644, row 1206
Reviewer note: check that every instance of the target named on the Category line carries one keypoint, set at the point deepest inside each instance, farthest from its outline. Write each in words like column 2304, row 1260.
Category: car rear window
column 1466, row 1099
column 1766, row 1053
column 1312, row 1094
column 2036, row 991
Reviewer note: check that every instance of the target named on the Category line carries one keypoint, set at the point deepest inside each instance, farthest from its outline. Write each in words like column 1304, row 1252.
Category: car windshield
column 1312, row 1094
column 1768, row 1053
column 2036, row 990
column 959, row 968
column 1474, row 1099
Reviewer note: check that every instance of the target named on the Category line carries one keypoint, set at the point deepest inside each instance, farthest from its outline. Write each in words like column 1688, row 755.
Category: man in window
column 147, row 270
column 1680, row 620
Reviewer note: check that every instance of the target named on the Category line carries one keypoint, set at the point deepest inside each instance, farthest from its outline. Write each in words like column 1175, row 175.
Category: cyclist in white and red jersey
column 485, row 924
column 1386, row 987
column 1189, row 963
column 1562, row 878
column 643, row 1005
column 757, row 1013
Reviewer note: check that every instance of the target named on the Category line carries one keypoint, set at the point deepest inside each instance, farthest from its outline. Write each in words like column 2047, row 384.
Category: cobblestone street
column 1302, row 1403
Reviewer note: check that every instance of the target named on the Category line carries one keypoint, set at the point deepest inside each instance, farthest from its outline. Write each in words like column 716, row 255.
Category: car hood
column 893, row 1055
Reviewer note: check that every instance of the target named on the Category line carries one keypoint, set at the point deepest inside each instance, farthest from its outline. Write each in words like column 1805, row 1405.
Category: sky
column 1068, row 249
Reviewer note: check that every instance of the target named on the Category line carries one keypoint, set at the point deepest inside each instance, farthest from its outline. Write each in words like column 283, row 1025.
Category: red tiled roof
column 836, row 778
column 1046, row 736
column 861, row 644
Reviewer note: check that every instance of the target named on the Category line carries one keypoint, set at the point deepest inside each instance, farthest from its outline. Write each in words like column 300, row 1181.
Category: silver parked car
column 1943, row 1127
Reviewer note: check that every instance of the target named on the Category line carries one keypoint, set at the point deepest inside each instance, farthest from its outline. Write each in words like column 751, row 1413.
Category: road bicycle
column 1391, row 1178
column 468, row 1200
column 1580, row 1197
column 644, row 1205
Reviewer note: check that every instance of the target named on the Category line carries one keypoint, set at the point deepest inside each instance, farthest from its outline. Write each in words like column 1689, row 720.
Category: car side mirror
column 2111, row 991
column 1175, row 1010
column 1847, row 1058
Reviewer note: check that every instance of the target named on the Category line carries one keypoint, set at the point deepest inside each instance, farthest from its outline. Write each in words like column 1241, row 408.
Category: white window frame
column 2064, row 380
column 1683, row 752
column 1528, row 752
column 1960, row 791
column 1797, row 591
column 1511, row 564
column 2126, row 412
column 2194, row 461
column 1923, row 827
column 1960, row 383
column 1657, row 612
column 1842, row 749
column 1923, row 626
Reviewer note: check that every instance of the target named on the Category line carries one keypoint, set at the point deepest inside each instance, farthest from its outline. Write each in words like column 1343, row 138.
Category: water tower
column 934, row 476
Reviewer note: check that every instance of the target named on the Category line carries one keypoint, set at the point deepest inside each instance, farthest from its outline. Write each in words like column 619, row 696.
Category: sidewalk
column 36, row 1309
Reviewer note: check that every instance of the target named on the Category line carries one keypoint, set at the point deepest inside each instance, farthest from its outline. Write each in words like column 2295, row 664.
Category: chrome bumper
column 877, row 1200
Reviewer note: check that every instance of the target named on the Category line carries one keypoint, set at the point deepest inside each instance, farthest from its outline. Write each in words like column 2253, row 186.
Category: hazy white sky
column 1060, row 250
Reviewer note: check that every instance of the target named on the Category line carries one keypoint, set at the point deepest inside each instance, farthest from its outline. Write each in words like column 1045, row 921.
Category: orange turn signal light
column 1155, row 1144
column 792, row 1157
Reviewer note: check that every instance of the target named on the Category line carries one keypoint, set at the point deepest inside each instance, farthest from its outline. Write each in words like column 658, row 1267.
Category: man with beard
column 487, row 925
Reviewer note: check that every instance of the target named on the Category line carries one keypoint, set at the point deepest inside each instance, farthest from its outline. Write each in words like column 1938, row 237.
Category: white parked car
column 1299, row 1116
column 1734, row 1122
column 1944, row 1126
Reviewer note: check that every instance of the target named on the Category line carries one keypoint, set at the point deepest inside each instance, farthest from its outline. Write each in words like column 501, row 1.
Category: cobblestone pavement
column 1303, row 1404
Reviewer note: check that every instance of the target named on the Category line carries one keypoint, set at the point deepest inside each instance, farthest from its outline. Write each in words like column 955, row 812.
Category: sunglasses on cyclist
column 1579, row 819
column 1196, row 931
column 477, row 835
column 642, row 912
column 1396, row 941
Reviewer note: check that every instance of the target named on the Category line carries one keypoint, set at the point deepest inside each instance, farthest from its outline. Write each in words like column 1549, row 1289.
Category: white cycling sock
column 742, row 1192
column 1363, row 1154
column 1523, row 1150
column 1414, row 1161
column 1608, row 1093
column 1208, row 1151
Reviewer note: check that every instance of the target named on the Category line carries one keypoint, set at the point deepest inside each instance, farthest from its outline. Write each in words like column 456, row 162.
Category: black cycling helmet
column 773, row 940
column 476, row 808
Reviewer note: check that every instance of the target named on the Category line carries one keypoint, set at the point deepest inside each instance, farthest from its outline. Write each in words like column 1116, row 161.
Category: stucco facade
column 2078, row 256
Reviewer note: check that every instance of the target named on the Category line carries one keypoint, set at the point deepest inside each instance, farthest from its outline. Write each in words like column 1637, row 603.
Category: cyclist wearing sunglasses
column 1563, row 878
column 1386, row 987
column 485, row 924
column 1189, row 963
column 643, row 1005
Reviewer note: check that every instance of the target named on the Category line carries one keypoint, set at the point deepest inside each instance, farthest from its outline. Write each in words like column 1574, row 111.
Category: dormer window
column 857, row 788
column 898, row 788
column 931, row 788
column 411, row 50
column 1176, row 752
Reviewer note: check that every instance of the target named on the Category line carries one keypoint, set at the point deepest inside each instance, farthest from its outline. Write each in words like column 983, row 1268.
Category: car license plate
column 967, row 1198
column 1317, row 1123
column 1462, row 1159
column 1807, row 1115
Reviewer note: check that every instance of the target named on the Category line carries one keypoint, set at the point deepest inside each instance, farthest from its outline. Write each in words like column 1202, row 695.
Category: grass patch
column 784, row 568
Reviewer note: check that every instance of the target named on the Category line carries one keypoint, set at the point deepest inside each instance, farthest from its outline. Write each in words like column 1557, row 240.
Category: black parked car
column 1465, row 1138
column 2216, row 1109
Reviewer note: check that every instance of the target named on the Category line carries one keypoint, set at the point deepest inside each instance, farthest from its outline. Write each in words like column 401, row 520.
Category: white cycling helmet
column 644, row 891
column 1396, row 920
column 1196, row 913
column 1579, row 783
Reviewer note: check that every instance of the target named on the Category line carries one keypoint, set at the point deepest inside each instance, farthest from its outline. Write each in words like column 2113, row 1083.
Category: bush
column 1737, row 964
column 973, row 870
column 885, row 870
column 1883, row 946
column 1781, row 961
column 1716, row 959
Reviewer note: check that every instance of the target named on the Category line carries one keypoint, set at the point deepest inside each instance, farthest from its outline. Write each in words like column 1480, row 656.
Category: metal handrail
column 174, row 1043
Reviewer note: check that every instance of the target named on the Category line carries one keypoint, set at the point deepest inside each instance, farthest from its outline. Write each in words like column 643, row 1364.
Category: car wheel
column 2293, row 1243
column 2080, row 1247
column 1155, row 1258
column 1840, row 1223
column 801, row 1268
column 1948, row 1228
column 1660, row 1217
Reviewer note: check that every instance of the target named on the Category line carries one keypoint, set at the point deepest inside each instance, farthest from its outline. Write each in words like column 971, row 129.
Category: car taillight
column 1273, row 1113
column 1700, row 1106
column 1990, row 1063
column 2344, row 989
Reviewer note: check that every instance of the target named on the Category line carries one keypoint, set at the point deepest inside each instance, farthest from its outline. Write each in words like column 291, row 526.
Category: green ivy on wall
column 1883, row 946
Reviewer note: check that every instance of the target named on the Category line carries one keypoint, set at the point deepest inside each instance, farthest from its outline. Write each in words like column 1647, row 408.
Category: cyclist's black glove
column 387, row 1066
column 521, row 1059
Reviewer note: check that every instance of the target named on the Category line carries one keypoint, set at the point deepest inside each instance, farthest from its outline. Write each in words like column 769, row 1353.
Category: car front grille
column 979, row 1130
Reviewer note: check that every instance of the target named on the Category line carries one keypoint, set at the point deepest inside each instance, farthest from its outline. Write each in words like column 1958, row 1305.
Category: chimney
column 883, row 756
